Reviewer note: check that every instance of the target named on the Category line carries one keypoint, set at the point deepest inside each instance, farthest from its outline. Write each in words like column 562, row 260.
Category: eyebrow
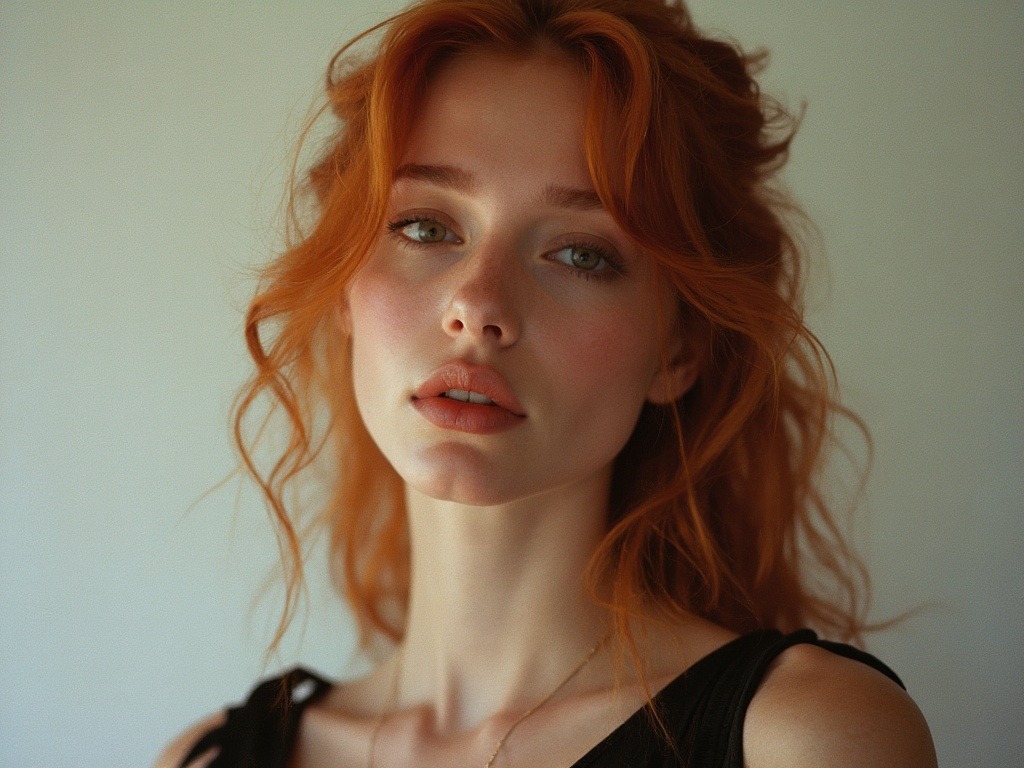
column 447, row 176
column 572, row 197
column 461, row 180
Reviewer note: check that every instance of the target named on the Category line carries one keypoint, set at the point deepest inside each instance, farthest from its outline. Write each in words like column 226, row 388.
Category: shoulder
column 176, row 751
column 815, row 707
column 266, row 717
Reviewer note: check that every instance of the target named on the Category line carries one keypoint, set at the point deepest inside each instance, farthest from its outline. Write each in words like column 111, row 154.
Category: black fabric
column 705, row 707
column 261, row 732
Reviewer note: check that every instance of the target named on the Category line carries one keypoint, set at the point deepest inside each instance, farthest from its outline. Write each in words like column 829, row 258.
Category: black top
column 704, row 708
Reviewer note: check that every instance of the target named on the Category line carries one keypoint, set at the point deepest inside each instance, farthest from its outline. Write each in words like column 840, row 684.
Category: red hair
column 716, row 507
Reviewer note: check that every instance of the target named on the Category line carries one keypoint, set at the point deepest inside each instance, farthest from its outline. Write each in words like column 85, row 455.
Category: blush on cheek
column 611, row 353
column 603, row 366
column 383, row 314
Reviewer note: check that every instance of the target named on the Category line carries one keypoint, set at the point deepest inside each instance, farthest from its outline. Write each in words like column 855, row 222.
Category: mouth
column 462, row 382
column 467, row 397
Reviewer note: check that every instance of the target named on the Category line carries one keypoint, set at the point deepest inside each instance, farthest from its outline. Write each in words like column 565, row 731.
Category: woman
column 573, row 504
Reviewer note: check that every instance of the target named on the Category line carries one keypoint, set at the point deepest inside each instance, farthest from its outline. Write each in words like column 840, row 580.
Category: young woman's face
column 497, row 253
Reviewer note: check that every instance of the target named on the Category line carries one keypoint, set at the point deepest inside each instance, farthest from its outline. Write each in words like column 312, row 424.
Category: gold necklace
column 394, row 695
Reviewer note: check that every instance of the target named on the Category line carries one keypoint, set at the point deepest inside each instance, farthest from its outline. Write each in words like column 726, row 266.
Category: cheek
column 607, row 366
column 384, row 329
column 381, row 311
column 612, row 344
column 389, row 315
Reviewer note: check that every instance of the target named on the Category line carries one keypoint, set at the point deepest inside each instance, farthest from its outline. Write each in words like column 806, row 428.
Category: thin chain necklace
column 394, row 695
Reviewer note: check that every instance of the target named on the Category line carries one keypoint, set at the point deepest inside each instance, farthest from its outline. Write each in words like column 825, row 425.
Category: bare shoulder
column 816, row 708
column 175, row 752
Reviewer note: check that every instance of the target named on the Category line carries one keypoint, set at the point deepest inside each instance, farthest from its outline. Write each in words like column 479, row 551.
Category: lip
column 459, row 374
column 475, row 418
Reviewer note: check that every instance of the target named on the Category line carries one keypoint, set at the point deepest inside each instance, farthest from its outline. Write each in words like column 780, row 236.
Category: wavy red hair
column 716, row 505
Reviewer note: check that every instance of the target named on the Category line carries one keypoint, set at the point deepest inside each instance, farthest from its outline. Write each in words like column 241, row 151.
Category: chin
column 461, row 474
column 463, row 486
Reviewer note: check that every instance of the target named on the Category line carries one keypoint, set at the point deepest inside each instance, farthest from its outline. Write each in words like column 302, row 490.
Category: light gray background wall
column 141, row 160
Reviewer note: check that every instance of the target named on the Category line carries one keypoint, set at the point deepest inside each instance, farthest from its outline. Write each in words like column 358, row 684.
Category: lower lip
column 474, row 418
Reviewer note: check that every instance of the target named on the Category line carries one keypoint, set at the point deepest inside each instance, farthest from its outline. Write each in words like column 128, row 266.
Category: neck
column 498, row 612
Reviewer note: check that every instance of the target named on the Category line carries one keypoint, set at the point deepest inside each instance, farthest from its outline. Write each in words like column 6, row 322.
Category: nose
column 482, row 304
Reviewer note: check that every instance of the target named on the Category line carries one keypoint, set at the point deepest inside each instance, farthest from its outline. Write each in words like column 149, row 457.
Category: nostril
column 457, row 325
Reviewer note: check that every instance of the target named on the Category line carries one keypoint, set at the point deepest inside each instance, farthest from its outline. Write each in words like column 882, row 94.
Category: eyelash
column 396, row 225
column 615, row 266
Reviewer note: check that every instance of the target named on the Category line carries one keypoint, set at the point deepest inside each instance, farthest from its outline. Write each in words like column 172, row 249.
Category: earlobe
column 668, row 386
column 680, row 355
column 343, row 316
column 684, row 366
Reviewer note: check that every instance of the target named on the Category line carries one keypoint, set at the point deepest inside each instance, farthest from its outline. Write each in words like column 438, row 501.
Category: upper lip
column 459, row 374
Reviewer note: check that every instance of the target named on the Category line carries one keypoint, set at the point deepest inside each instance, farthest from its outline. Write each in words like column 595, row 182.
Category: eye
column 585, row 260
column 423, row 230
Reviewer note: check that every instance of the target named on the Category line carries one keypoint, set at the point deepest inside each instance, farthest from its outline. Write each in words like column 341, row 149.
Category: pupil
column 431, row 231
column 585, row 258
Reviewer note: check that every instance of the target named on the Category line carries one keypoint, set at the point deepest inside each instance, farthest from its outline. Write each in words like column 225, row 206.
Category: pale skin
column 503, row 525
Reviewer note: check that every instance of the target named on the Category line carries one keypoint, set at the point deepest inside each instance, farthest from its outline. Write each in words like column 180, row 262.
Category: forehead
column 490, row 109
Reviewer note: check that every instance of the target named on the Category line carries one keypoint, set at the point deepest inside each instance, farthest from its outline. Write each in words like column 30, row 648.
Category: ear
column 343, row 315
column 669, row 385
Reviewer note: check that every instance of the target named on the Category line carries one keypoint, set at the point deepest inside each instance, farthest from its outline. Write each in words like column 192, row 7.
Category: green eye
column 585, row 258
column 589, row 261
column 426, row 231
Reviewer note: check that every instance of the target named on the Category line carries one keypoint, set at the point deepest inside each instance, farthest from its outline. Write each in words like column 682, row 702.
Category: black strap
column 719, row 725
column 261, row 733
column 710, row 704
